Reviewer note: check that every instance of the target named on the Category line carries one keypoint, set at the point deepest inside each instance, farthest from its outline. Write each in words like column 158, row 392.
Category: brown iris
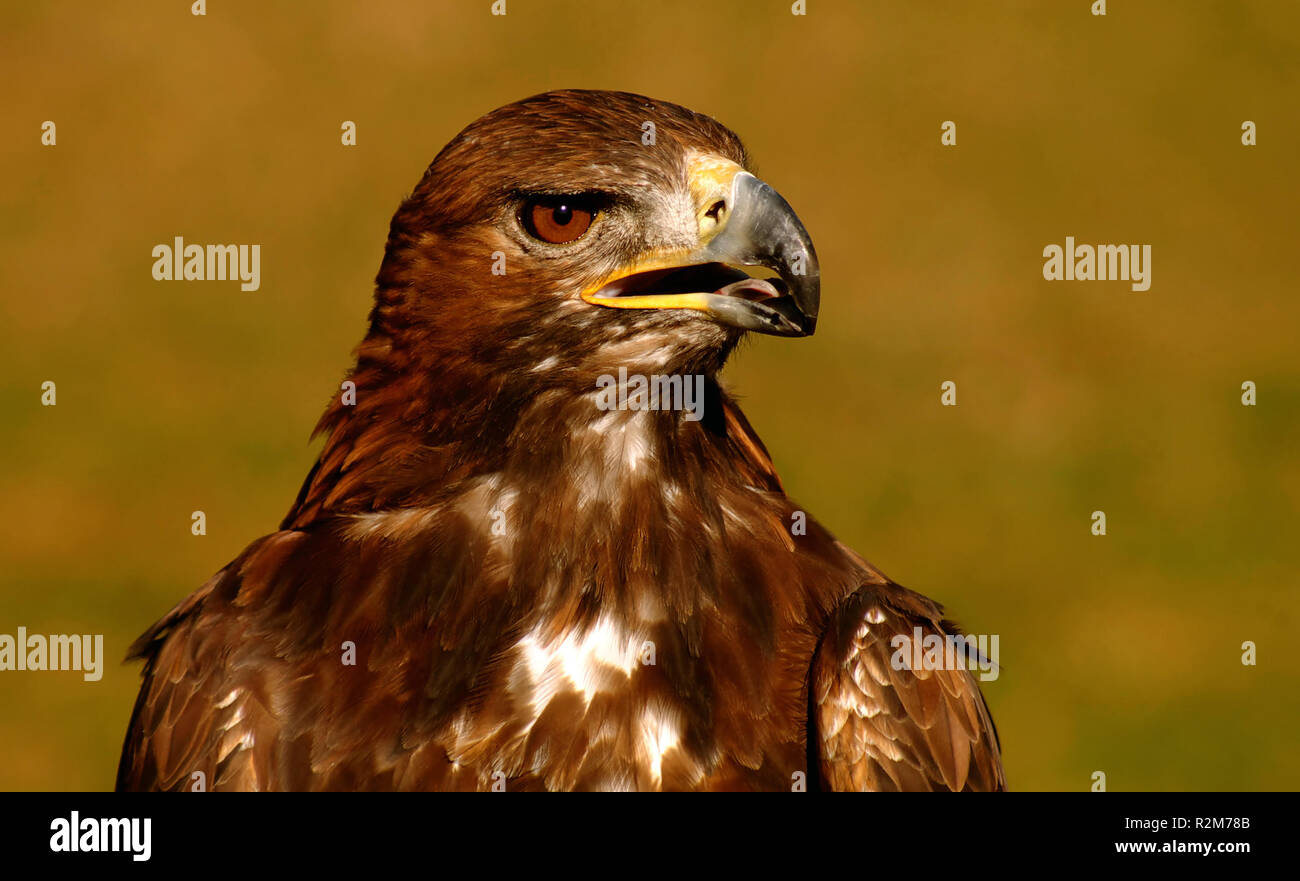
column 558, row 221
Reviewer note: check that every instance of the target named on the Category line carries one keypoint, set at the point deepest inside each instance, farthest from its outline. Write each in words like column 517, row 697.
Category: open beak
column 742, row 222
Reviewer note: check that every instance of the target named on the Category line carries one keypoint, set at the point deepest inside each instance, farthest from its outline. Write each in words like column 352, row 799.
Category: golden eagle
column 512, row 567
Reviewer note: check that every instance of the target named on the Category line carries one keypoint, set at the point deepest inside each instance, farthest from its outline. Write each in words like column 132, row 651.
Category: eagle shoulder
column 880, row 728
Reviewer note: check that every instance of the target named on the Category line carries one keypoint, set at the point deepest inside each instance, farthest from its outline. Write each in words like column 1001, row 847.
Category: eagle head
column 554, row 243
column 595, row 230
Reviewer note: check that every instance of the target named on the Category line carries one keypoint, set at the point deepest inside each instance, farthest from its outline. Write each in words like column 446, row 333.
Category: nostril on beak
column 716, row 210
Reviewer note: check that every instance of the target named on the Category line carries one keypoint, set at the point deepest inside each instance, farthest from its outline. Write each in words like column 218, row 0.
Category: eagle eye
column 558, row 220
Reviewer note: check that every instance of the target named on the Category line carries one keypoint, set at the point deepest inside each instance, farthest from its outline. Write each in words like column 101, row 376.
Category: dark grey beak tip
column 797, row 319
column 803, row 297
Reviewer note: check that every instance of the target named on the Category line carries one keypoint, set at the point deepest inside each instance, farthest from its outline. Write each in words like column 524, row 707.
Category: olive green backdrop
column 1120, row 653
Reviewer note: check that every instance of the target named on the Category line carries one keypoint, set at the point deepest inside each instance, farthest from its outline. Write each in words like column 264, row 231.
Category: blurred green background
column 1120, row 653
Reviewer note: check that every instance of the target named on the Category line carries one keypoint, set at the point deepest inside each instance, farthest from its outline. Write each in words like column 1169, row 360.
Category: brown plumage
column 540, row 593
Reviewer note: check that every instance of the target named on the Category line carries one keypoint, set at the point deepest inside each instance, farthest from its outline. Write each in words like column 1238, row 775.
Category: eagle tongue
column 755, row 290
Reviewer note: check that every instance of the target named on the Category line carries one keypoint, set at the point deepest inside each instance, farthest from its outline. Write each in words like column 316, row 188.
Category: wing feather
column 878, row 728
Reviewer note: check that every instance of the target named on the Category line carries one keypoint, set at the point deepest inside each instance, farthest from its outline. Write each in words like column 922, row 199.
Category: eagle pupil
column 562, row 215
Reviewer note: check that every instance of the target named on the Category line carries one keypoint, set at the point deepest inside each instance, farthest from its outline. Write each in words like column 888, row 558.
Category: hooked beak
column 742, row 222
